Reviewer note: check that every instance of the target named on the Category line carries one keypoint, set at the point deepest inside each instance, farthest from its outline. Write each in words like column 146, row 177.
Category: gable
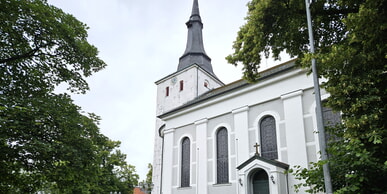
column 260, row 161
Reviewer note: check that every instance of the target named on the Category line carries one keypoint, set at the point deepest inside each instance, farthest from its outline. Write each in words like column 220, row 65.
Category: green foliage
column 46, row 142
column 148, row 179
column 351, row 52
column 42, row 46
column 276, row 26
column 114, row 174
column 147, row 184
column 312, row 176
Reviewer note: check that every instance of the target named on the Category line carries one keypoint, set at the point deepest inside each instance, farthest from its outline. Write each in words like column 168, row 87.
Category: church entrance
column 260, row 182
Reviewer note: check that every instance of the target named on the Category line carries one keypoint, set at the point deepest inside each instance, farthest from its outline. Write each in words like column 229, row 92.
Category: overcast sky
column 141, row 42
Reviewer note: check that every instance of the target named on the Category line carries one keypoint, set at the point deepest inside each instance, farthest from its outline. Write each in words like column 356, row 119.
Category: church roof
column 194, row 52
column 237, row 85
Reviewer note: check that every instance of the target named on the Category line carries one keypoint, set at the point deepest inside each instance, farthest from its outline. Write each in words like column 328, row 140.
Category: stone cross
column 256, row 149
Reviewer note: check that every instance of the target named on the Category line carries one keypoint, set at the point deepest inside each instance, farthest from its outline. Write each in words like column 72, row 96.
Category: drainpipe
column 162, row 160
column 197, row 170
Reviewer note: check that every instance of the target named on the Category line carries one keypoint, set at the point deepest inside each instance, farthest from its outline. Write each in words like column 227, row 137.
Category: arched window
column 268, row 138
column 222, row 156
column 330, row 119
column 185, row 162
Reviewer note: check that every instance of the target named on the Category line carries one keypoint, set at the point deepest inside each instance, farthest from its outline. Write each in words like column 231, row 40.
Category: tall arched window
column 185, row 162
column 330, row 119
column 268, row 138
column 222, row 156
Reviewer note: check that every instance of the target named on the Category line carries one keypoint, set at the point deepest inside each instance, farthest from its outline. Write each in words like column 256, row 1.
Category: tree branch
column 22, row 56
column 26, row 55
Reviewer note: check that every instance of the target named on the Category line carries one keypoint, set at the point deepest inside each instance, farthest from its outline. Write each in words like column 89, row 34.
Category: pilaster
column 241, row 133
column 295, row 133
column 167, row 161
column 201, row 144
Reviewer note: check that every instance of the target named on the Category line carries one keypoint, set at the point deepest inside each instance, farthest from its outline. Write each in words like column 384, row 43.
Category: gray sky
column 141, row 41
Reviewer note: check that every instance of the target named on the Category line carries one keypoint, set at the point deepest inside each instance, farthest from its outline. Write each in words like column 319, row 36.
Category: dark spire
column 194, row 52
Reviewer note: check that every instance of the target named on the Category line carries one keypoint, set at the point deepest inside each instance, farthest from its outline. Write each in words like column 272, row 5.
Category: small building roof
column 137, row 190
column 257, row 157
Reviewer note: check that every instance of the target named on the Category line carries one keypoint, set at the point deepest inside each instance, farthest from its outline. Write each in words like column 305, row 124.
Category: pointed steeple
column 194, row 52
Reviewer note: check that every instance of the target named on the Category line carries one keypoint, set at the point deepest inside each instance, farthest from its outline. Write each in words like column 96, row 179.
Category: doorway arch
column 259, row 182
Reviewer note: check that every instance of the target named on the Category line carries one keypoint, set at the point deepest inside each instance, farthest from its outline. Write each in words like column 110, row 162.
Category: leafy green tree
column 147, row 185
column 148, row 179
column 128, row 178
column 41, row 46
column 114, row 174
column 46, row 142
column 351, row 52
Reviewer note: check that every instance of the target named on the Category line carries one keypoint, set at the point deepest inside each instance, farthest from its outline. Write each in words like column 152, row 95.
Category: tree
column 114, row 174
column 43, row 46
column 46, row 142
column 148, row 179
column 351, row 52
column 147, row 184
column 128, row 178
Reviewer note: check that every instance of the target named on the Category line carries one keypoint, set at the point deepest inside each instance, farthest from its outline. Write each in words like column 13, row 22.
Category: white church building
column 238, row 138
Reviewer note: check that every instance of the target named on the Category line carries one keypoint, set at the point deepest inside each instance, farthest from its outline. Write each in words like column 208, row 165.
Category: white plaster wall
column 222, row 189
column 176, row 97
column 204, row 77
column 241, row 133
column 167, row 162
column 294, row 124
column 201, row 147
column 237, row 105
column 193, row 79
column 157, row 160
column 240, row 111
column 258, row 93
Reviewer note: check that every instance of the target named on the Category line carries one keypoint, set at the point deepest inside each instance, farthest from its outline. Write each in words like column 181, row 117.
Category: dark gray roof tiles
column 194, row 52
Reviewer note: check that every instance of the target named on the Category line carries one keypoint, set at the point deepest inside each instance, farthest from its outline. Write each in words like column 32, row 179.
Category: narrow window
column 167, row 91
column 268, row 138
column 185, row 162
column 181, row 85
column 330, row 119
column 222, row 156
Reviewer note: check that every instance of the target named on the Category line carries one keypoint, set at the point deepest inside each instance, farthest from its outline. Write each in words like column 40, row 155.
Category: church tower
column 194, row 77
column 194, row 51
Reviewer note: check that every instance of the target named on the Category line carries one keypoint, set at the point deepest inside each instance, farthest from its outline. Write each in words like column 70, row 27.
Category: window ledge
column 221, row 184
column 184, row 188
